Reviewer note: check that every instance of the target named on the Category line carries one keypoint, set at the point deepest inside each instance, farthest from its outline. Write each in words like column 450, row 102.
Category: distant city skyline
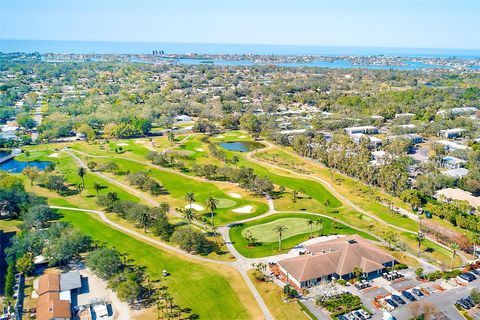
column 388, row 24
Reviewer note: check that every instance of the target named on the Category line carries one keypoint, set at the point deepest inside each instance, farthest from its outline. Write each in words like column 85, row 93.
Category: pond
column 242, row 146
column 14, row 166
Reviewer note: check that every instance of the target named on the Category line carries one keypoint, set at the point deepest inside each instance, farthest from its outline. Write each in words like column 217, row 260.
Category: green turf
column 202, row 289
column 271, row 248
column 178, row 185
column 266, row 233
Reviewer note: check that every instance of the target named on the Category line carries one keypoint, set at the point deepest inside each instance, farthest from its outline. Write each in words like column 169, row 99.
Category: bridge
column 6, row 158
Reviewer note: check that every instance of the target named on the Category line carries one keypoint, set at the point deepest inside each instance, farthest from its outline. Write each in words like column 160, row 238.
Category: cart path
column 342, row 198
column 240, row 267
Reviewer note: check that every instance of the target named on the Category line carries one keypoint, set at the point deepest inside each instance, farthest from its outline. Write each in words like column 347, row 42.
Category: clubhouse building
column 335, row 259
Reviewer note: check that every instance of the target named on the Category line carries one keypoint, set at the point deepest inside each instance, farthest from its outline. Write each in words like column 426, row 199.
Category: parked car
column 476, row 271
column 350, row 316
column 342, row 317
column 462, row 304
column 467, row 276
column 391, row 303
column 398, row 299
column 469, row 301
column 365, row 314
column 417, row 292
column 408, row 295
column 358, row 315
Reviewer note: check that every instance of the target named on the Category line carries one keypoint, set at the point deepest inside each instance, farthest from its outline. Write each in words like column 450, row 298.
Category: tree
column 188, row 215
column 319, row 223
column 37, row 217
column 212, row 204
column 171, row 137
column 105, row 262
column 163, row 228
column 66, row 247
column 97, row 186
column 235, row 160
column 190, row 198
column 454, row 247
column 32, row 173
column 475, row 242
column 24, row 264
column 475, row 295
column 310, row 223
column 81, row 172
column 191, row 240
column 91, row 165
column 25, row 120
column 357, row 272
column 164, row 207
column 144, row 219
column 56, row 182
column 391, row 238
column 280, row 229
column 420, row 238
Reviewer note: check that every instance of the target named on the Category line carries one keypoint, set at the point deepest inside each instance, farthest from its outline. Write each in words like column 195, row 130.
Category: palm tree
column 311, row 223
column 420, row 237
column 188, row 215
column 190, row 198
column 144, row 219
column 164, row 207
column 280, row 229
column 319, row 223
column 475, row 242
column 454, row 247
column 97, row 187
column 81, row 172
column 235, row 160
column 212, row 204
column 112, row 196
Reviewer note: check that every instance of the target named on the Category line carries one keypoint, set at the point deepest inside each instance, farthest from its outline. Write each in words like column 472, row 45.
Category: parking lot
column 441, row 293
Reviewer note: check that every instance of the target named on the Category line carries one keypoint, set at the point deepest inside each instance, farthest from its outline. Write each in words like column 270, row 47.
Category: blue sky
column 408, row 24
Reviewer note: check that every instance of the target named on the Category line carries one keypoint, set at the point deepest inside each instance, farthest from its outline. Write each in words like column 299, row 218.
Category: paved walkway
column 242, row 264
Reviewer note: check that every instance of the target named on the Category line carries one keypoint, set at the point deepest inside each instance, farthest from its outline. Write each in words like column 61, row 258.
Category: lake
column 14, row 166
column 242, row 146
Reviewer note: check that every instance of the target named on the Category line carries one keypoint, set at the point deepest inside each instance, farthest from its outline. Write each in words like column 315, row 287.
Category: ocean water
column 58, row 46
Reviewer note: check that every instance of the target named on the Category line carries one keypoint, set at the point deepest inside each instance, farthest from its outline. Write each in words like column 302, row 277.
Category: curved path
column 242, row 264
column 241, row 267
column 342, row 198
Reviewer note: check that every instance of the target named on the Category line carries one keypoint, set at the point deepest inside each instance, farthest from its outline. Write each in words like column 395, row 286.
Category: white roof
column 453, row 145
column 459, row 194
column 456, row 173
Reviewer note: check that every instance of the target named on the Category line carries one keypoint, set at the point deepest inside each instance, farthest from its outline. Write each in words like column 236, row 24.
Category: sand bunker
column 243, row 137
column 140, row 141
column 199, row 149
column 195, row 206
column 235, row 195
column 220, row 137
column 53, row 155
column 122, row 144
column 245, row 209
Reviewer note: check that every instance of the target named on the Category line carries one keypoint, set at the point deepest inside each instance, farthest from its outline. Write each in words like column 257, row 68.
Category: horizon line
column 246, row 44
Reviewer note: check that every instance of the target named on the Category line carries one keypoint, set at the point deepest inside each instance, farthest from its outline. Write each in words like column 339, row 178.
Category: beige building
column 335, row 259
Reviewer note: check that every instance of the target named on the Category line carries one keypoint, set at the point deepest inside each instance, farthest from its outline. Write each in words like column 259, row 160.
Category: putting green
column 266, row 233
column 225, row 203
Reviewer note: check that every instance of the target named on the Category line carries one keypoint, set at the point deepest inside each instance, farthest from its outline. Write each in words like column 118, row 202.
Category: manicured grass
column 271, row 248
column 311, row 188
column 208, row 293
column 178, row 185
column 265, row 232
column 272, row 295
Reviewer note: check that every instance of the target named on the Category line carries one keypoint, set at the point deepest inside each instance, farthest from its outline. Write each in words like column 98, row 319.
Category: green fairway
column 266, row 233
column 203, row 289
column 264, row 249
column 178, row 185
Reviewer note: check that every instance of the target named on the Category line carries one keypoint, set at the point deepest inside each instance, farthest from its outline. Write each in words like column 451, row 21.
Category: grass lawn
column 265, row 232
column 288, row 242
column 177, row 186
column 273, row 297
column 211, row 291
